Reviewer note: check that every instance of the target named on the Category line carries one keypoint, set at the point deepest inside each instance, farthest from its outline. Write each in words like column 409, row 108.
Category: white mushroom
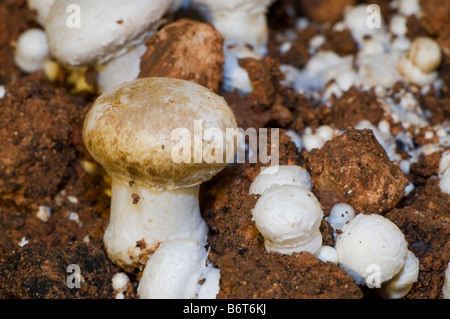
column 402, row 282
column 179, row 269
column 42, row 8
column 32, row 50
column 363, row 23
column 129, row 131
column 241, row 22
column 418, row 65
column 107, row 29
column 339, row 215
column 372, row 249
column 281, row 175
column 289, row 217
column 120, row 283
column 124, row 68
column 318, row 138
column 328, row 253
column 110, row 35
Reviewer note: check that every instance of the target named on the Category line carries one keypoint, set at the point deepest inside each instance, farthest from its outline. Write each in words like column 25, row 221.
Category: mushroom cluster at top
column 109, row 36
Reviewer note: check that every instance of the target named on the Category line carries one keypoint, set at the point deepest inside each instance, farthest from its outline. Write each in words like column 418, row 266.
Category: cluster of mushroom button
column 371, row 248
column 109, row 36
column 155, row 220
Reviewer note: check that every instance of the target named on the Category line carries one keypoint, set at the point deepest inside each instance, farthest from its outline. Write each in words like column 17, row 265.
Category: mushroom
column 372, row 249
column 120, row 283
column 280, row 175
column 42, row 8
column 241, row 22
column 154, row 197
column 179, row 269
column 124, row 68
column 339, row 215
column 32, row 50
column 108, row 29
column 402, row 282
column 289, row 217
column 419, row 64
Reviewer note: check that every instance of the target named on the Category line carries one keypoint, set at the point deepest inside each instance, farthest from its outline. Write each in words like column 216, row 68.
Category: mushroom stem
column 141, row 218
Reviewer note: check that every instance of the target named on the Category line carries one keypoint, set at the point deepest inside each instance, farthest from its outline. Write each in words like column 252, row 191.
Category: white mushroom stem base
column 141, row 218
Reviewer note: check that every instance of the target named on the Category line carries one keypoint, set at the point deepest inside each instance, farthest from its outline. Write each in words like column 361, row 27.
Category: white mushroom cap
column 401, row 283
column 356, row 19
column 241, row 22
column 318, row 138
column 176, row 270
column 339, row 215
column 120, row 282
column 368, row 243
column 107, row 28
column 42, row 8
column 425, row 54
column 418, row 65
column 31, row 51
column 289, row 217
column 281, row 175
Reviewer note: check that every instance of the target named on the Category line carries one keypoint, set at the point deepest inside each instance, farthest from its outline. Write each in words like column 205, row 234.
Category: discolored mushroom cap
column 130, row 132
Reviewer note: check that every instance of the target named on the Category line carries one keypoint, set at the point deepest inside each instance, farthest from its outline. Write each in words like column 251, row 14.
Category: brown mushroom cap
column 128, row 130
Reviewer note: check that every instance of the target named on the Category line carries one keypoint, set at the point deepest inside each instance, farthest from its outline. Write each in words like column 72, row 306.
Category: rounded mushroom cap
column 131, row 130
column 281, row 175
column 31, row 50
column 289, row 217
column 82, row 32
column 425, row 54
column 339, row 215
column 371, row 247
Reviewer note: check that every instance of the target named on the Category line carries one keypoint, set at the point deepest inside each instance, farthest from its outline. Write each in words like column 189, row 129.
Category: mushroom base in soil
column 146, row 214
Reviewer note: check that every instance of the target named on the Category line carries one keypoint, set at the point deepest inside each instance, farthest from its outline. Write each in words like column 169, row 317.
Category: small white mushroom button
column 289, row 217
column 32, row 50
